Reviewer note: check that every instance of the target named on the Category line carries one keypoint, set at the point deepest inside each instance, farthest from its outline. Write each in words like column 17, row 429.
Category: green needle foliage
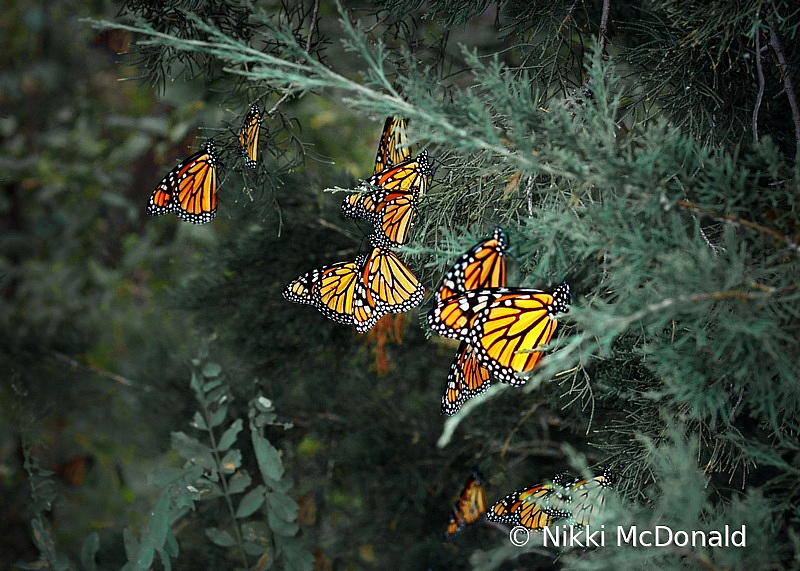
column 647, row 154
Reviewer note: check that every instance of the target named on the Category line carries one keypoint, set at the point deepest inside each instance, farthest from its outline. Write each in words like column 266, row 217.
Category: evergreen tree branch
column 568, row 17
column 618, row 325
column 378, row 93
column 788, row 86
column 525, row 417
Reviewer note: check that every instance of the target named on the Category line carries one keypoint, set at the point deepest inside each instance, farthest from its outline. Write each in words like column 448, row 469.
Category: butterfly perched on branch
column 359, row 292
column 248, row 137
column 505, row 327
column 190, row 189
column 392, row 147
column 482, row 266
column 392, row 204
column 573, row 502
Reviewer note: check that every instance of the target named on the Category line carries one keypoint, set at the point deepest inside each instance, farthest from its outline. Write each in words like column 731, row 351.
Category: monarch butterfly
column 466, row 379
column 392, row 148
column 504, row 326
column 358, row 292
column 482, row 266
column 190, row 189
column 332, row 289
column 389, row 284
column 248, row 137
column 469, row 508
column 586, row 497
column 529, row 507
column 392, row 205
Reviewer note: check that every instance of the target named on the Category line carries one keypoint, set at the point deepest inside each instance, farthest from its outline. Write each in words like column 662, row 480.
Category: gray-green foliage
column 260, row 518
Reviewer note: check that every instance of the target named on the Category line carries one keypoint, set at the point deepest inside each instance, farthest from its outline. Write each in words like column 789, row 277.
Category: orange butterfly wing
column 331, row 289
column 392, row 148
column 359, row 292
column 388, row 286
column 392, row 205
column 248, row 137
column 527, row 507
column 467, row 378
column 469, row 508
column 190, row 189
column 504, row 326
column 482, row 266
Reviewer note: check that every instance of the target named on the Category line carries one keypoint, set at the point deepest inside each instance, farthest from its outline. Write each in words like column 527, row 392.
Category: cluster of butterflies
column 562, row 500
column 361, row 291
column 501, row 329
column 190, row 189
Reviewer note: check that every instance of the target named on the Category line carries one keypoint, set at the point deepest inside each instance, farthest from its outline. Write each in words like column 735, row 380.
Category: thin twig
column 312, row 25
column 75, row 364
column 311, row 29
column 514, row 430
column 568, row 17
column 788, row 87
column 601, row 41
column 329, row 225
column 278, row 103
column 740, row 222
column 760, row 95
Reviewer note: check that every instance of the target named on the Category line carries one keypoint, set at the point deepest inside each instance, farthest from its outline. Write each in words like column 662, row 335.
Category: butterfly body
column 190, row 189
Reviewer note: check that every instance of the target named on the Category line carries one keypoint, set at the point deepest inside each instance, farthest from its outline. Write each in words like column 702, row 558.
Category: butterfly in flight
column 359, row 292
column 505, row 327
column 469, row 507
column 482, row 266
column 392, row 205
column 190, row 189
column 392, row 148
column 530, row 507
column 248, row 137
